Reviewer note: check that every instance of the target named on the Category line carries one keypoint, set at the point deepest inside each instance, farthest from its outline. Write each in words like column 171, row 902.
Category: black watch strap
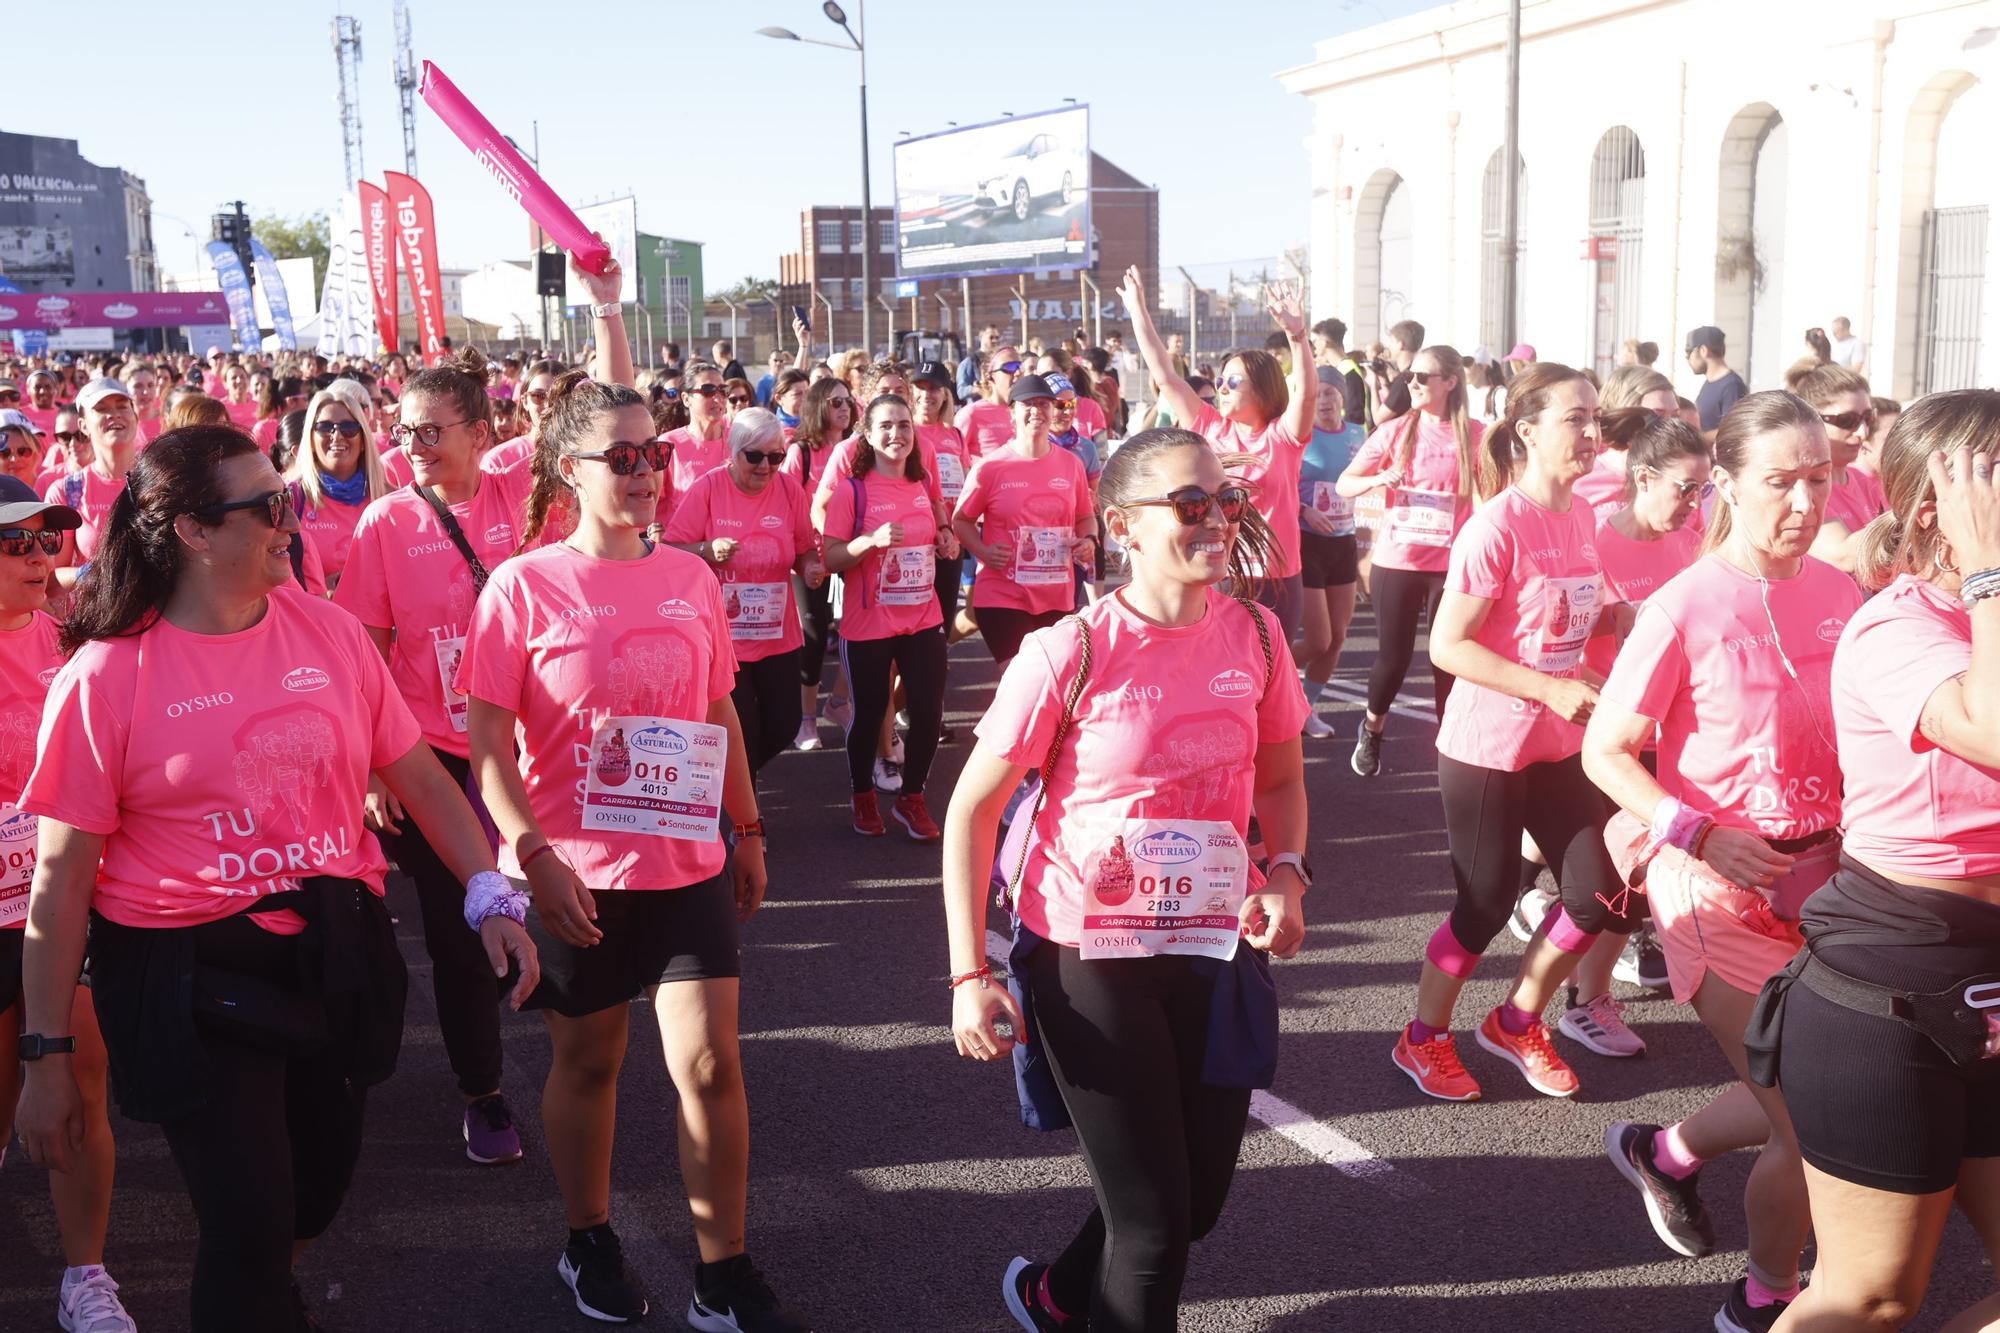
column 33, row 1046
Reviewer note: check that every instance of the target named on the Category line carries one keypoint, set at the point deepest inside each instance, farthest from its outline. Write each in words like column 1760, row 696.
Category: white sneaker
column 90, row 1304
column 808, row 737
column 1529, row 911
column 1317, row 727
column 1600, row 1026
column 888, row 775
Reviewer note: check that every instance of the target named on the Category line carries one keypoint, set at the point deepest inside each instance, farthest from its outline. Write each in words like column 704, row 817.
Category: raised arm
column 1174, row 393
column 614, row 352
column 1288, row 311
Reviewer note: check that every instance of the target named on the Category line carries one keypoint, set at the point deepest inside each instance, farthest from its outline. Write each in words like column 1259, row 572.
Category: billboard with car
column 1011, row 196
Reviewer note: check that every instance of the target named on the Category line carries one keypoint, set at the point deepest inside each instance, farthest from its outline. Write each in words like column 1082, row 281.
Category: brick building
column 1125, row 216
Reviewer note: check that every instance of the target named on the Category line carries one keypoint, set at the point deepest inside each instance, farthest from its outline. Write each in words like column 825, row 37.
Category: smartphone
column 799, row 313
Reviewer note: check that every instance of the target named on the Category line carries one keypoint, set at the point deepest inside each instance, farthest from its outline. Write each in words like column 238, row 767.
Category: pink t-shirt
column 28, row 662
column 404, row 573
column 984, row 427
column 95, row 505
column 1856, row 501
column 150, row 428
column 396, row 466
column 1274, row 476
column 1539, row 570
column 1167, row 729
column 772, row 529
column 945, row 459
column 564, row 640
column 1090, row 417
column 694, row 458
column 1416, row 533
column 1603, row 487
column 805, row 466
column 1740, row 738
column 244, row 414
column 508, row 455
column 43, row 419
column 1912, row 808
column 222, row 767
column 888, row 592
column 331, row 526
column 1634, row 570
column 837, row 466
column 1031, row 505
column 265, row 433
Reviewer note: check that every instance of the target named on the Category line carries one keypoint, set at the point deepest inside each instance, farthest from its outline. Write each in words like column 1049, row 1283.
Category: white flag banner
column 346, row 310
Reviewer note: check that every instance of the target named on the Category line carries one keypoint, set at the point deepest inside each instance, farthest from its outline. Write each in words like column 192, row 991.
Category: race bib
column 1162, row 886
column 951, row 475
column 655, row 775
column 1570, row 607
column 1338, row 507
column 756, row 611
column 449, row 651
column 1422, row 518
column 17, row 870
column 1041, row 557
column 907, row 575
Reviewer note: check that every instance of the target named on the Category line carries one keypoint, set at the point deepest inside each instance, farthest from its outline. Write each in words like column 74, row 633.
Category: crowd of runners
column 1713, row 717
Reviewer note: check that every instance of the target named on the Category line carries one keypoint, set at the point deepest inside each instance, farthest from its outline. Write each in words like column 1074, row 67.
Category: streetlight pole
column 1510, row 186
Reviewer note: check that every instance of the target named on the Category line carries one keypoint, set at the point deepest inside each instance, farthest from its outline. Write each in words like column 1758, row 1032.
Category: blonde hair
column 1627, row 385
column 1895, row 543
column 304, row 469
column 1477, row 477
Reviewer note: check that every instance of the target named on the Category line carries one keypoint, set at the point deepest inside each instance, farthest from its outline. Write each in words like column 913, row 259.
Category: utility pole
column 347, row 53
column 1510, row 187
column 406, row 86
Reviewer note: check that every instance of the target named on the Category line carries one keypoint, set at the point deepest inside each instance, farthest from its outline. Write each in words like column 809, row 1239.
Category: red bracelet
column 1701, row 839
column 980, row 975
column 545, row 847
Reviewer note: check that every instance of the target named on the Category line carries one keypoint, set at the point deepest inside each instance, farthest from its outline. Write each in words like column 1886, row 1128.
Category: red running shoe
column 1435, row 1067
column 1533, row 1053
column 911, row 812
column 867, row 815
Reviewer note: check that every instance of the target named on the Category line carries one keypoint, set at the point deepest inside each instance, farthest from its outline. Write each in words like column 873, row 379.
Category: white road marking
column 1404, row 705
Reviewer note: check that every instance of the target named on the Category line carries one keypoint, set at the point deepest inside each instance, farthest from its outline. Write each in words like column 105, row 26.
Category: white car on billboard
column 1042, row 167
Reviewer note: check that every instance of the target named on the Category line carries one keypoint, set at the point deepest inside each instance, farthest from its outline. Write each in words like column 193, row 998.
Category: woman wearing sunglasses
column 1841, row 398
column 339, row 475
column 988, row 423
column 1026, row 517
column 1186, row 718
column 881, row 535
column 1522, row 598
column 701, row 446
column 533, row 400
column 1429, row 466
column 630, row 755
column 750, row 523
column 205, row 755
column 826, row 417
column 31, row 536
column 1729, row 665
column 21, row 452
column 413, row 572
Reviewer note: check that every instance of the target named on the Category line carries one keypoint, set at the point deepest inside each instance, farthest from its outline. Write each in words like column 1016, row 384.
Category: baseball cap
column 1029, row 387
column 14, row 419
column 19, row 503
column 1706, row 336
column 1059, row 383
column 100, row 388
column 10, row 385
column 934, row 372
column 1522, row 352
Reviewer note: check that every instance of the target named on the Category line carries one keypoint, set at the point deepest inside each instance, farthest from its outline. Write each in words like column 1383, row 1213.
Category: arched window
column 1750, row 245
column 1384, row 261
column 1492, row 278
column 1615, row 247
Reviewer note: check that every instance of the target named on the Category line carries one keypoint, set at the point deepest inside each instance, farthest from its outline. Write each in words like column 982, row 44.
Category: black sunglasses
column 70, row 436
column 27, row 450
column 753, row 457
column 348, row 429
column 1191, row 503
column 1849, row 420
column 624, row 456
column 737, row 400
column 22, row 541
column 707, row 390
column 274, row 506
column 9, row 396
column 1423, row 377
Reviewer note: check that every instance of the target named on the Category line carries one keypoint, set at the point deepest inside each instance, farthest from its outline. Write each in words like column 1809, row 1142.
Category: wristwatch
column 33, row 1046
column 754, row 829
column 1296, row 862
column 608, row 309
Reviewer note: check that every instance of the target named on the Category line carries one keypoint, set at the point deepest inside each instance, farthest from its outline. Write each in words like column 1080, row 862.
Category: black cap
column 19, row 503
column 934, row 372
column 1030, row 386
column 1707, row 336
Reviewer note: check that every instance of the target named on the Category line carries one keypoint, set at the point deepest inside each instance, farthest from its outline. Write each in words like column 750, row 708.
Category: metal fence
column 1948, row 326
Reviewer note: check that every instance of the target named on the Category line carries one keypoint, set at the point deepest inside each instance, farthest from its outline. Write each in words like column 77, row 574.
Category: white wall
column 502, row 294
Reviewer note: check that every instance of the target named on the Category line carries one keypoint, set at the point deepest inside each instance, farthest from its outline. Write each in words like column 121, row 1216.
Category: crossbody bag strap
column 453, row 531
column 1063, row 725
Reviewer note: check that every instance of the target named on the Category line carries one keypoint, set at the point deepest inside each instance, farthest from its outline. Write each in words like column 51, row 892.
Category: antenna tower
column 347, row 51
column 406, row 86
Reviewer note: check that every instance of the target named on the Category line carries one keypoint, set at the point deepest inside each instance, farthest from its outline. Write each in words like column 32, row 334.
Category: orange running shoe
column 1434, row 1066
column 1532, row 1053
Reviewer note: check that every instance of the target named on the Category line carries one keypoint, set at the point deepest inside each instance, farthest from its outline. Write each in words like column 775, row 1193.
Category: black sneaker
column 738, row 1300
column 593, row 1267
column 1673, row 1206
column 1737, row 1315
column 1021, row 1289
column 1367, row 759
column 1640, row 962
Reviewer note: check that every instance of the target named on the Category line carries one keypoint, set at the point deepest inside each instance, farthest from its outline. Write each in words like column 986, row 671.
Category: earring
column 1940, row 561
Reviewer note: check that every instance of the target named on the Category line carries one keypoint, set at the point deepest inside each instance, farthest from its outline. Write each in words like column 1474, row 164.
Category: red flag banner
column 416, row 237
column 378, row 233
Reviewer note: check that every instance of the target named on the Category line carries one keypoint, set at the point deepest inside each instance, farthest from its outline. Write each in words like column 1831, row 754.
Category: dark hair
column 1894, row 543
column 460, row 381
column 543, row 366
column 1099, row 359
column 1886, row 406
column 1409, row 333
column 699, row 366
column 1647, row 353
column 1275, row 341
column 1753, row 418
column 813, row 426
column 1649, row 440
column 271, row 402
column 1821, row 384
column 864, row 452
column 1128, row 475
column 576, row 401
column 291, row 438
column 1528, row 395
column 138, row 562
column 736, row 382
column 786, row 379
column 1267, row 380
column 1822, row 346
column 1333, row 330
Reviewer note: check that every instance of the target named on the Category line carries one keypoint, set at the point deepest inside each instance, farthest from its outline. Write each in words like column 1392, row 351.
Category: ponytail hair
column 461, row 381
column 1128, row 475
column 1895, row 542
column 1527, row 397
column 575, row 403
column 1753, row 418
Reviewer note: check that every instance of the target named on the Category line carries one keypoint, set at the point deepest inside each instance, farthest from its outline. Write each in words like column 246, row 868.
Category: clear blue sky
column 722, row 135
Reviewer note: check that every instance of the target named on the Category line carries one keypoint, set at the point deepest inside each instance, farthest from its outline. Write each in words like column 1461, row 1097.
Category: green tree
column 748, row 290
column 302, row 237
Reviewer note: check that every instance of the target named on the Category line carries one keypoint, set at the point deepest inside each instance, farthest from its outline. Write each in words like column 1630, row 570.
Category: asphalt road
column 891, row 1181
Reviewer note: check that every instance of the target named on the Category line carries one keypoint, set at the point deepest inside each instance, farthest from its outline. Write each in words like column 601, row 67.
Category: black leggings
column 462, row 981
column 1004, row 627
column 1126, row 1039
column 950, row 579
column 920, row 659
column 767, row 704
column 1485, row 813
column 270, row 1156
column 1400, row 596
column 816, row 620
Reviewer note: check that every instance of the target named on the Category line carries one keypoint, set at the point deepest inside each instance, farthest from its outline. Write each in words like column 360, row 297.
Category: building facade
column 1756, row 167
column 824, row 274
column 69, row 225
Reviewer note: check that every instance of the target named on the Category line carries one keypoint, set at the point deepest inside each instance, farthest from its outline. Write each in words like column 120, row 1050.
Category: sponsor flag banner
column 344, row 301
column 507, row 166
column 126, row 310
column 416, row 238
column 275, row 296
column 236, row 290
column 378, row 233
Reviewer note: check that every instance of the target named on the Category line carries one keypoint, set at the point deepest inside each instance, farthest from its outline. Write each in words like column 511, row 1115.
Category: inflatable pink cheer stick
column 516, row 177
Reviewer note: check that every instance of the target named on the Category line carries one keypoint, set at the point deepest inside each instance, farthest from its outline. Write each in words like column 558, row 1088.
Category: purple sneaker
column 490, row 1136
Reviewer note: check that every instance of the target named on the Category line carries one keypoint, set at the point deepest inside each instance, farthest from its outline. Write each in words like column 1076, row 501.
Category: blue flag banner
column 236, row 291
column 280, row 304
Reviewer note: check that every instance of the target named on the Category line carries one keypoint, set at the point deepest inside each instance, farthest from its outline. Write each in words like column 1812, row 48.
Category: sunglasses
column 275, row 506
column 70, row 437
column 708, row 390
column 738, row 400
column 430, row 433
column 9, row 396
column 1233, row 382
column 1849, row 420
column 754, row 457
column 1687, row 490
column 1065, row 405
column 23, row 541
column 1009, row 367
column 669, row 392
column 1422, row 377
column 1191, row 503
column 24, row 451
column 348, row 429
column 624, row 456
